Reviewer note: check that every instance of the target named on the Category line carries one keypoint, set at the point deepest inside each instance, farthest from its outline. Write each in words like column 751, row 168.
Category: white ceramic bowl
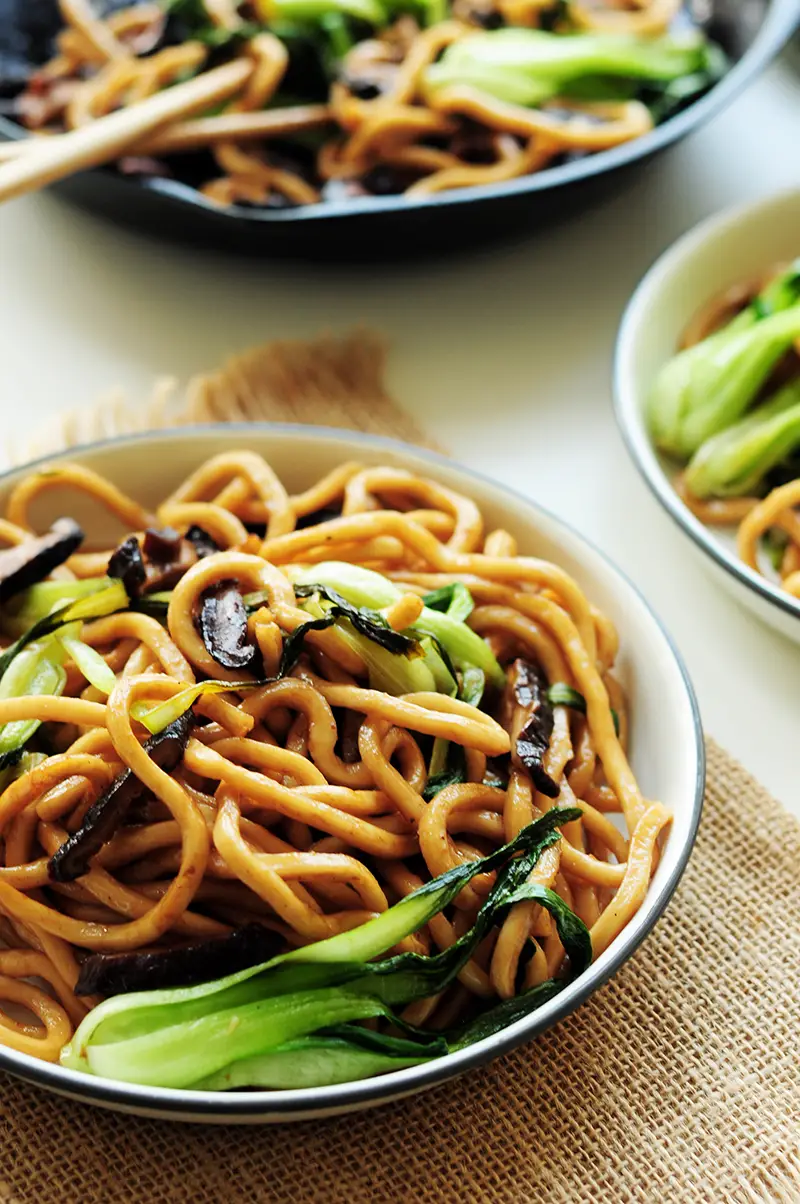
column 666, row 738
column 731, row 246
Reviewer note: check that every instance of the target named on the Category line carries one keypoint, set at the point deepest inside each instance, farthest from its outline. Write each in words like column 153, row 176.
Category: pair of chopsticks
column 42, row 161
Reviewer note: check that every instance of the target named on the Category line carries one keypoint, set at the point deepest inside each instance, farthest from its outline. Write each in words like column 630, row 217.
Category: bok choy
column 735, row 461
column 530, row 66
column 243, row 1029
column 366, row 588
column 710, row 386
column 38, row 669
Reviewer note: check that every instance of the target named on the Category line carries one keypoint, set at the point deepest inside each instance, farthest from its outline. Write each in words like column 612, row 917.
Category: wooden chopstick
column 50, row 159
column 203, row 131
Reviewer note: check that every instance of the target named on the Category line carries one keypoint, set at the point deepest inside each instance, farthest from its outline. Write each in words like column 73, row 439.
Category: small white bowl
column 729, row 247
column 666, row 744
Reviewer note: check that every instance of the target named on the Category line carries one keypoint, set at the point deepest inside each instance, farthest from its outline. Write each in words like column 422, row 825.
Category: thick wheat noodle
column 436, row 845
column 55, row 1021
column 328, row 490
column 425, row 48
column 636, row 881
column 404, row 881
column 717, row 512
column 763, row 516
column 265, row 821
column 120, row 899
column 363, row 490
column 490, row 619
column 262, row 790
column 146, row 631
column 520, row 810
column 512, row 161
column 444, row 559
column 607, row 639
column 253, row 869
column 251, row 468
column 92, row 772
column 606, row 124
column 74, row 476
column 12, row 534
column 588, row 681
column 431, row 714
column 224, row 528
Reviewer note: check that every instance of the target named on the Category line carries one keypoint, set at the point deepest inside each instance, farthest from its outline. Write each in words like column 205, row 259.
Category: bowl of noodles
column 331, row 770
column 420, row 124
column 707, row 383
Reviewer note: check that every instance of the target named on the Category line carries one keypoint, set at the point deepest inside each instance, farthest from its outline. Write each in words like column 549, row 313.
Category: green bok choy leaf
column 366, row 588
column 185, row 1036
column 735, row 461
column 706, row 388
column 531, row 66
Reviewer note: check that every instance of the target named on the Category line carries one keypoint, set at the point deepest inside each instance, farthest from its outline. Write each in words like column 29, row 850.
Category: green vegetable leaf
column 736, row 461
column 178, row 1036
column 562, row 695
column 366, row 622
column 38, row 601
column 455, row 600
column 530, row 66
column 89, row 661
column 707, row 388
column 365, row 588
column 35, row 670
column 156, row 718
column 339, row 1055
column 93, row 606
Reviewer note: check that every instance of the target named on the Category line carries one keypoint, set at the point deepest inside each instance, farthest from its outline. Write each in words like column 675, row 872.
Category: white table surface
column 504, row 356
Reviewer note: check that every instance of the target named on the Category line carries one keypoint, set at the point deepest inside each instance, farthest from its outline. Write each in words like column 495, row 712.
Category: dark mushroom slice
column 127, row 564
column 178, row 966
column 162, row 546
column 203, row 544
column 109, row 811
column 168, row 555
column 26, row 563
column 528, row 717
column 223, row 626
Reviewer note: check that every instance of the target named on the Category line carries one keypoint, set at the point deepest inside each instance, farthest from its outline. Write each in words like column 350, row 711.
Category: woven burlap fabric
column 678, row 1081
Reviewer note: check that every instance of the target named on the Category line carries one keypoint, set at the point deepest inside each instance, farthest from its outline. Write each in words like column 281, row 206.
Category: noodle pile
column 768, row 527
column 299, row 805
column 378, row 130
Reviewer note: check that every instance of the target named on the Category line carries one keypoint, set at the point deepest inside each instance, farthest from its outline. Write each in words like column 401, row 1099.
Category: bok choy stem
column 705, row 389
column 366, row 588
column 530, row 66
column 178, row 1037
column 735, row 461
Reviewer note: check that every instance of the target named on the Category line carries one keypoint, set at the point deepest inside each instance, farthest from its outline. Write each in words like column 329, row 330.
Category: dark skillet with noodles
column 366, row 106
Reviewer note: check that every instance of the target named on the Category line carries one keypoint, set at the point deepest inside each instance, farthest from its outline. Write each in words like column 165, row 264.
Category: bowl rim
column 780, row 19
column 629, row 406
column 220, row 1107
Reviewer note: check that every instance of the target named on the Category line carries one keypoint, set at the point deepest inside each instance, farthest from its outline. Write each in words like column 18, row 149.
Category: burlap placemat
column 678, row 1081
